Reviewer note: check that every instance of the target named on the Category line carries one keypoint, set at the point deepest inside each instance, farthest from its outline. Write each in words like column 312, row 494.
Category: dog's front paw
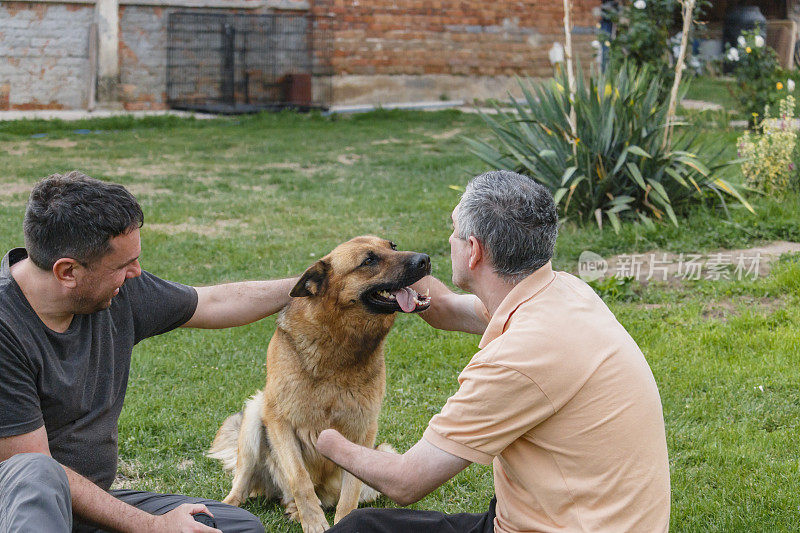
column 291, row 512
column 315, row 524
column 231, row 499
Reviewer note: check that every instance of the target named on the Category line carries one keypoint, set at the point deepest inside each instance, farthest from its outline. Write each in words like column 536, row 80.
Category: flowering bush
column 760, row 82
column 643, row 29
column 767, row 151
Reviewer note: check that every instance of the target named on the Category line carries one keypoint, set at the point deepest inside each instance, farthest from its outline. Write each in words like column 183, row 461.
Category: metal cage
column 230, row 63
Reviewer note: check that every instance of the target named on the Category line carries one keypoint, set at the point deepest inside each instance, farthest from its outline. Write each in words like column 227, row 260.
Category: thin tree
column 573, row 121
column 688, row 11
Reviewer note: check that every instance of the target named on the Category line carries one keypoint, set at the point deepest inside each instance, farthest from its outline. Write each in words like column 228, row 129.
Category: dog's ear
column 312, row 282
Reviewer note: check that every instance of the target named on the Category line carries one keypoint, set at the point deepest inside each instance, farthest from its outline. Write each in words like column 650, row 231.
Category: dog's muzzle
column 400, row 296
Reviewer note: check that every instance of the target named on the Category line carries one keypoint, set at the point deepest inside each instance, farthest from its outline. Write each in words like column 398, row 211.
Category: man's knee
column 235, row 519
column 34, row 494
column 35, row 469
column 252, row 524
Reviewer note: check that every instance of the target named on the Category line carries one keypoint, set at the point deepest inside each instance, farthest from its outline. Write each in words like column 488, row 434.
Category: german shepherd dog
column 325, row 368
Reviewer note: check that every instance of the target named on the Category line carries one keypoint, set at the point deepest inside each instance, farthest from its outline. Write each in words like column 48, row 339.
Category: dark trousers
column 35, row 497
column 370, row 520
column 229, row 519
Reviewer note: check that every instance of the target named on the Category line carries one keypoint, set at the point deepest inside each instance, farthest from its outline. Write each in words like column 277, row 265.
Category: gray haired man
column 559, row 399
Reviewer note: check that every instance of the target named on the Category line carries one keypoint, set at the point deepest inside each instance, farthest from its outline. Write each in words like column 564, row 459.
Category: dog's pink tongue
column 405, row 299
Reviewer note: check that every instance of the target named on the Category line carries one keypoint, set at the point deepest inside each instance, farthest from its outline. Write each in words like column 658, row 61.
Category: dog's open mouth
column 404, row 299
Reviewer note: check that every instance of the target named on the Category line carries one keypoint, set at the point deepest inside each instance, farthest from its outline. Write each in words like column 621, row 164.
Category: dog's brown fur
column 325, row 368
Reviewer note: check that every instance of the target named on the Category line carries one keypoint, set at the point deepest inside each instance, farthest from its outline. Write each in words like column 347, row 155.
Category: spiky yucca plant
column 616, row 167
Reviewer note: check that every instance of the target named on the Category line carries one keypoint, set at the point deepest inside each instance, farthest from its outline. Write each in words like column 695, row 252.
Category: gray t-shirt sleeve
column 157, row 305
column 20, row 411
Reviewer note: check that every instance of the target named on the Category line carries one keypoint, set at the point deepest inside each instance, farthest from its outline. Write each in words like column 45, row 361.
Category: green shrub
column 617, row 166
column 768, row 165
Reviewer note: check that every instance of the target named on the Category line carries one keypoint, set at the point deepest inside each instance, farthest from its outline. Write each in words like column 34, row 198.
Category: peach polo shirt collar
column 525, row 290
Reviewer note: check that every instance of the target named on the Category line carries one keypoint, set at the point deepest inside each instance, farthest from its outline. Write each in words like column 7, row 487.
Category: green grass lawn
column 714, row 90
column 262, row 197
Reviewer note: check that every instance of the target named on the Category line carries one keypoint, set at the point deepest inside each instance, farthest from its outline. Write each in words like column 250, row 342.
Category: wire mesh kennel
column 231, row 63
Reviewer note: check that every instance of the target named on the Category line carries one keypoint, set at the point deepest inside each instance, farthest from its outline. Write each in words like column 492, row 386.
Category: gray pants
column 35, row 497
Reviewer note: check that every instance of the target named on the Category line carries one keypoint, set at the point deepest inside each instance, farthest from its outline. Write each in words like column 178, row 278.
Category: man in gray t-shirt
column 73, row 304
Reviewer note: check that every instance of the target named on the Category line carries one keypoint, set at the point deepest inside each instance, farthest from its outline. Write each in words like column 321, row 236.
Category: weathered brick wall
column 44, row 55
column 475, row 37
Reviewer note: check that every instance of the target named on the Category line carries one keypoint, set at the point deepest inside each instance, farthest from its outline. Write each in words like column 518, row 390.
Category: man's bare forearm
column 96, row 506
column 237, row 304
column 404, row 478
column 451, row 311
column 380, row 470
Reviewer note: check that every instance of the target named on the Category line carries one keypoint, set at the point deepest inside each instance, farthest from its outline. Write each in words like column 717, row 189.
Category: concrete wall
column 143, row 57
column 45, row 55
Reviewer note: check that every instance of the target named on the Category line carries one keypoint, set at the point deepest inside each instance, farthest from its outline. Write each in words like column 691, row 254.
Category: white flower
column 596, row 45
column 640, row 4
column 741, row 40
column 556, row 53
column 733, row 54
column 790, row 86
column 759, row 41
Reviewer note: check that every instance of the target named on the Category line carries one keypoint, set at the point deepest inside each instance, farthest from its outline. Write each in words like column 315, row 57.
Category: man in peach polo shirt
column 559, row 399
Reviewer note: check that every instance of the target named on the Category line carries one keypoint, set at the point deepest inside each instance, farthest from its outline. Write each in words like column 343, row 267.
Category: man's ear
column 312, row 282
column 64, row 271
column 476, row 252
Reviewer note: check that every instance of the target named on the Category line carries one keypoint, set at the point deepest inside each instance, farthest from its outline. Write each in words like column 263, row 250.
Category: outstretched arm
column 404, row 478
column 237, row 304
column 451, row 311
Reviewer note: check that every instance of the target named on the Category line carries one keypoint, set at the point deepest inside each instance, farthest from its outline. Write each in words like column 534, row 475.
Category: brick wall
column 45, row 55
column 474, row 38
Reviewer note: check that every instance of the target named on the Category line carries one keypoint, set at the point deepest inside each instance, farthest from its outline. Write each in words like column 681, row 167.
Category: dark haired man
column 73, row 303
column 559, row 399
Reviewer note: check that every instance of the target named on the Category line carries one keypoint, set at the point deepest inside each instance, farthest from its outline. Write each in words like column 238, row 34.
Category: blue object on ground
column 39, row 135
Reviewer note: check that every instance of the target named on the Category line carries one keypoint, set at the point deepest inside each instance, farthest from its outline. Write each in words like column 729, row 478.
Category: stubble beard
column 85, row 305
